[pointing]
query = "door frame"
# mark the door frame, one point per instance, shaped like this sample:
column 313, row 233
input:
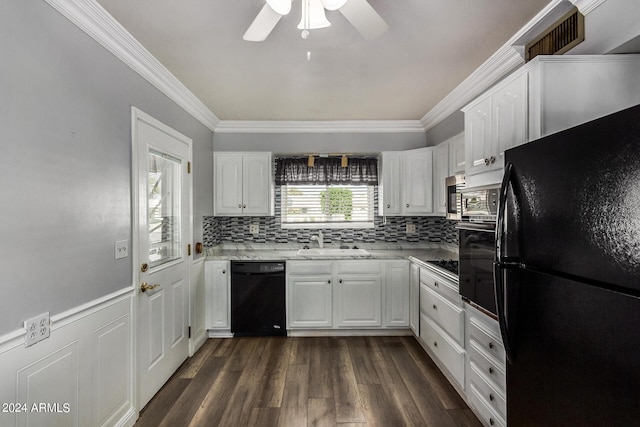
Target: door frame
column 137, row 116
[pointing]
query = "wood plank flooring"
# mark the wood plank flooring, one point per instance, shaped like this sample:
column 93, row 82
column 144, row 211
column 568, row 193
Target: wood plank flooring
column 295, row 382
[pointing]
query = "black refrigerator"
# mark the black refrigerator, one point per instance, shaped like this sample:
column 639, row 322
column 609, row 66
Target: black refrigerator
column 567, row 275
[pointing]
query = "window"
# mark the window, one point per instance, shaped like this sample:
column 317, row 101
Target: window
column 327, row 206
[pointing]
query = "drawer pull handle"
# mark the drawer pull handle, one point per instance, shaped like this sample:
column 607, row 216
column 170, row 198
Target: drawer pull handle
column 491, row 345
column 435, row 284
column 490, row 369
column 491, row 397
column 491, row 421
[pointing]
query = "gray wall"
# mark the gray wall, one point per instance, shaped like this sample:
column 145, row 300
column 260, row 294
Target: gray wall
column 318, row 142
column 65, row 108
column 449, row 127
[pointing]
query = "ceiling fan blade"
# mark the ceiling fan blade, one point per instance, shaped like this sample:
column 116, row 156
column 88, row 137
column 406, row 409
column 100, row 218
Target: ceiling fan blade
column 364, row 18
column 262, row 25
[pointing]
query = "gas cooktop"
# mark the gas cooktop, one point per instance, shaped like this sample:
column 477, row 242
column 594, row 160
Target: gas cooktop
column 447, row 264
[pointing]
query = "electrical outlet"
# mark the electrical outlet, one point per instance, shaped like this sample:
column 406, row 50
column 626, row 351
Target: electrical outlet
column 411, row 228
column 122, row 249
column 38, row 328
column 254, row 228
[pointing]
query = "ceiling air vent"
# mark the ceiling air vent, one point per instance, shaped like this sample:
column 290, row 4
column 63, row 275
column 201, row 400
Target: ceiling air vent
column 566, row 33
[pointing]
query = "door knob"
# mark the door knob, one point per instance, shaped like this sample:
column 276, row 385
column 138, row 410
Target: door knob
column 147, row 287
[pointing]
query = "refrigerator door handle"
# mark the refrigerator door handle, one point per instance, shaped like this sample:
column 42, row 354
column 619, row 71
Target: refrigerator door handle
column 504, row 190
column 500, row 307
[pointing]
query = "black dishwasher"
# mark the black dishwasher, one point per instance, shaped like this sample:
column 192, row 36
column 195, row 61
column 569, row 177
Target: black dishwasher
column 257, row 298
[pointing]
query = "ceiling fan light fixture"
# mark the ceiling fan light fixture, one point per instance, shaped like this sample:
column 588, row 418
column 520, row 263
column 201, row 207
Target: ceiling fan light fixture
column 281, row 7
column 313, row 16
column 333, row 4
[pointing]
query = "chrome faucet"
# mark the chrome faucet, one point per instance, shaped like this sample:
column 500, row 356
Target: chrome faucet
column 319, row 238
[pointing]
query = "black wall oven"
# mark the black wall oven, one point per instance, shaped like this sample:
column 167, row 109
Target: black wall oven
column 476, row 240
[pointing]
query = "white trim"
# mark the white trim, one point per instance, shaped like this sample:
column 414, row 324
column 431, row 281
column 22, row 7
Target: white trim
column 16, row 338
column 500, row 64
column 319, row 126
column 587, row 6
column 91, row 18
column 349, row 332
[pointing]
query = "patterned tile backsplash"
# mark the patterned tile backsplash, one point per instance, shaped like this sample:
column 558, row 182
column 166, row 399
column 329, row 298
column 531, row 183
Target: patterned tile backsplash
column 236, row 230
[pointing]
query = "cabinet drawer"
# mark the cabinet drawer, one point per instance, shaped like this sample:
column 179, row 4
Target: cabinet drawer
column 444, row 286
column 488, row 416
column 309, row 267
column 447, row 315
column 492, row 397
column 359, row 267
column 450, row 354
column 487, row 365
column 486, row 339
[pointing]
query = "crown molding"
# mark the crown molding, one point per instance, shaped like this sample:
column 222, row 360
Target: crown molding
column 317, row 126
column 91, row 18
column 504, row 61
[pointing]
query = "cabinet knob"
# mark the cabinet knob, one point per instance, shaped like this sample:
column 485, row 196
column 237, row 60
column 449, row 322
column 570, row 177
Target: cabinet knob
column 239, row 205
column 491, row 345
column 435, row 343
column 491, row 421
column 340, row 280
column 224, row 271
column 388, row 205
column 435, row 307
column 490, row 369
column 492, row 159
column 407, row 204
column 491, row 397
column 435, row 284
column 244, row 206
column 329, row 281
column 486, row 162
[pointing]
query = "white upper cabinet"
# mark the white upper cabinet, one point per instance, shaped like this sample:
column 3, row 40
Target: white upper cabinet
column 440, row 174
column 407, row 182
column 494, row 123
column 456, row 154
column 243, row 184
column 547, row 95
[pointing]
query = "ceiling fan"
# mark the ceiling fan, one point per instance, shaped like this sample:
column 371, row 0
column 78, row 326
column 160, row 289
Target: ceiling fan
column 358, row 12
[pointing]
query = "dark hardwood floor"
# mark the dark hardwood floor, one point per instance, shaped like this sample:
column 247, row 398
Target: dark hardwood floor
column 324, row 381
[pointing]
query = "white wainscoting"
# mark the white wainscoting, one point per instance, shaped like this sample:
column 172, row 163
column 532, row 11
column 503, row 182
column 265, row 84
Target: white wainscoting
column 198, row 306
column 82, row 375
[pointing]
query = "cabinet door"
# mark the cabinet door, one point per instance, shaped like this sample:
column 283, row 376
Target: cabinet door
column 256, row 184
column 414, row 298
column 456, row 154
column 390, row 200
column 397, row 293
column 358, row 301
column 217, row 285
column 509, row 115
column 477, row 134
column 440, row 173
column 227, row 184
column 418, row 182
column 309, row 301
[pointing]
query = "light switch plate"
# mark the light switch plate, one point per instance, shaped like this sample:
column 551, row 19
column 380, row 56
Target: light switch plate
column 411, row 228
column 122, row 249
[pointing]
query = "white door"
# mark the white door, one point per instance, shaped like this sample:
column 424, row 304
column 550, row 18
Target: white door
column 359, row 301
column 163, row 189
column 310, row 301
column 418, row 181
column 256, row 182
column 227, row 169
column 390, row 184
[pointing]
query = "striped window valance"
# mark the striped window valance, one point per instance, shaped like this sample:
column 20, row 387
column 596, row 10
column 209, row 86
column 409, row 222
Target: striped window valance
column 327, row 171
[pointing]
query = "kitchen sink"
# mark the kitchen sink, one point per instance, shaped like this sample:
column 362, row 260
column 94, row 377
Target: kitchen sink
column 332, row 252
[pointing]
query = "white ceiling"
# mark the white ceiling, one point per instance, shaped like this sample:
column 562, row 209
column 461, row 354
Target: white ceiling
column 430, row 48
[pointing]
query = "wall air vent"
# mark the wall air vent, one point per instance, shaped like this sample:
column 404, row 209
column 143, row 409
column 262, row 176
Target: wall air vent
column 566, row 33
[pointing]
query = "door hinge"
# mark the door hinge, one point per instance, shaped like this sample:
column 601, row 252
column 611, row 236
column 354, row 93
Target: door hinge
column 189, row 331
column 189, row 249
column 188, row 167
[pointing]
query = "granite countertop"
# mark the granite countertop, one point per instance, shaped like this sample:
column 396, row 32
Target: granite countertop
column 278, row 252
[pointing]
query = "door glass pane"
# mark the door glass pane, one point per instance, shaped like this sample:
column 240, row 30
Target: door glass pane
column 163, row 207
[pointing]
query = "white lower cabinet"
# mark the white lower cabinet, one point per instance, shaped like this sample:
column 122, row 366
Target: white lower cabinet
column 218, row 296
column 486, row 373
column 347, row 294
column 442, row 324
column 414, row 298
